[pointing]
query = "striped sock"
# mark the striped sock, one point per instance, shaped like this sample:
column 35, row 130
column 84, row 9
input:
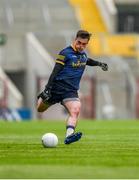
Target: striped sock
column 70, row 130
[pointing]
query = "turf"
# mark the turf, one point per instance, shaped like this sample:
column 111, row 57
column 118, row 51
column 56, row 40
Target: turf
column 108, row 149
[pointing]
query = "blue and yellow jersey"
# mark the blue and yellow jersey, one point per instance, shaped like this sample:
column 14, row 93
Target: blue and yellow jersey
column 74, row 64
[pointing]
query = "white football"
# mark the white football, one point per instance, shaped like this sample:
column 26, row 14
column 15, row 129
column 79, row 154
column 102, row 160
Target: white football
column 49, row 140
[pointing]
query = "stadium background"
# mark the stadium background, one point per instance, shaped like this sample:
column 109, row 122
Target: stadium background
column 32, row 32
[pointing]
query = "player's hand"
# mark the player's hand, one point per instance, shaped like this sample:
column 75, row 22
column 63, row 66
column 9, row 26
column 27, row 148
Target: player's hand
column 45, row 95
column 104, row 66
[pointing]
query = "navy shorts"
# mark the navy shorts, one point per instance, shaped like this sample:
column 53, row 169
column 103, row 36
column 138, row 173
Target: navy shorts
column 63, row 97
column 62, row 92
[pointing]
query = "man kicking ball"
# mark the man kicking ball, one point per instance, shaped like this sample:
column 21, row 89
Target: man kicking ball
column 63, row 84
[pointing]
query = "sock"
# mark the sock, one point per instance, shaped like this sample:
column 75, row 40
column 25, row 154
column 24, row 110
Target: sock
column 70, row 130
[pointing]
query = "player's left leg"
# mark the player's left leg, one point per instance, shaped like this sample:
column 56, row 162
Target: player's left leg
column 73, row 106
column 41, row 106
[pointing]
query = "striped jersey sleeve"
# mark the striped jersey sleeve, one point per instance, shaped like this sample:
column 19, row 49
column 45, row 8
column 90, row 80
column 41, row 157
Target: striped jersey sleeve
column 61, row 58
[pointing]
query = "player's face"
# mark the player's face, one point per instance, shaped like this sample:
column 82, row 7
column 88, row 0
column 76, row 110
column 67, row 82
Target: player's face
column 80, row 44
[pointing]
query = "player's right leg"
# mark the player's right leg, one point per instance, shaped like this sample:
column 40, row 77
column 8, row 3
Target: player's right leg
column 73, row 106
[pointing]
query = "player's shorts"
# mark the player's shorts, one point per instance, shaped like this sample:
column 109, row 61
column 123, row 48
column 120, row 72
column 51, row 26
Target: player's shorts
column 61, row 92
column 63, row 97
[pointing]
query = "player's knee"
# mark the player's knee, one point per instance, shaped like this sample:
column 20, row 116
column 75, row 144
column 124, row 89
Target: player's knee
column 75, row 112
column 73, row 108
column 41, row 107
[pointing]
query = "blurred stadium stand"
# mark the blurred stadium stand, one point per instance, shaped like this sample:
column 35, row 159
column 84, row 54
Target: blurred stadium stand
column 37, row 30
column 119, row 50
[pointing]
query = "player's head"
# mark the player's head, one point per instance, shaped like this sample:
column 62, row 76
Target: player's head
column 81, row 40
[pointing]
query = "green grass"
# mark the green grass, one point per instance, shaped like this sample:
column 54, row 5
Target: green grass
column 108, row 149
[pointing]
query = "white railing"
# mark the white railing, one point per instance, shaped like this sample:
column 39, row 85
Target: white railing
column 116, row 91
column 40, row 64
column 109, row 13
column 14, row 98
column 108, row 110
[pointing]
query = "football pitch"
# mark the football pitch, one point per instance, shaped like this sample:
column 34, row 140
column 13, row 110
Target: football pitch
column 107, row 150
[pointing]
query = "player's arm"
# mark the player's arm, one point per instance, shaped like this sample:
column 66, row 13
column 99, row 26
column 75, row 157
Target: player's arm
column 60, row 62
column 91, row 62
column 46, row 94
column 57, row 68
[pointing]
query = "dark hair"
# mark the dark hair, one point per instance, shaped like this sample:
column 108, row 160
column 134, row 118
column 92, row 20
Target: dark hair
column 83, row 34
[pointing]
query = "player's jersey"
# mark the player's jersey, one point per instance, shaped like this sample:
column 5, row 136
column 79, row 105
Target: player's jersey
column 74, row 64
